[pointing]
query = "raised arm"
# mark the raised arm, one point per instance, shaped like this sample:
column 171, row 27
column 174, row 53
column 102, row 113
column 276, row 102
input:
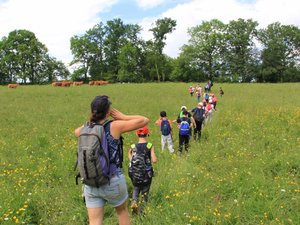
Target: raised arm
column 124, row 123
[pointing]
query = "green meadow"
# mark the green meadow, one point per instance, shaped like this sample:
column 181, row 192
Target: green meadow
column 245, row 170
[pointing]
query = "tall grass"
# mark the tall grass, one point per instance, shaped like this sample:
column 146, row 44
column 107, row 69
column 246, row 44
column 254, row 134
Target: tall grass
column 245, row 170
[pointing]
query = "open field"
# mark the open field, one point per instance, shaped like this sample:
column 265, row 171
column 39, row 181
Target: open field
column 246, row 169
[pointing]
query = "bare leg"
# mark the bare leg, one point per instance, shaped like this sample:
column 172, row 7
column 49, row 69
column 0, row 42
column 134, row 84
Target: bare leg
column 123, row 215
column 95, row 216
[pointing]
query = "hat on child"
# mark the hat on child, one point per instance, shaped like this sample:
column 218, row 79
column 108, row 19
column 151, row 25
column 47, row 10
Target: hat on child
column 142, row 131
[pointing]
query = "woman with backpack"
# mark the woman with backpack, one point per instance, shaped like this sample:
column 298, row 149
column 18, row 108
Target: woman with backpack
column 115, row 191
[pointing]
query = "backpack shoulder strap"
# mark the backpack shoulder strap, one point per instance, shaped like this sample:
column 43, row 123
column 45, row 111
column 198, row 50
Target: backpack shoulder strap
column 149, row 145
column 106, row 125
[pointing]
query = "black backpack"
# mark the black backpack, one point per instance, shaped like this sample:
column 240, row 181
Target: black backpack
column 198, row 114
column 140, row 169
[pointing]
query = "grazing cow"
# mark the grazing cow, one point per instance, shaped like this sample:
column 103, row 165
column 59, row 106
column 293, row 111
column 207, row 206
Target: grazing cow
column 12, row 85
column 78, row 83
column 57, row 84
column 98, row 82
column 66, row 84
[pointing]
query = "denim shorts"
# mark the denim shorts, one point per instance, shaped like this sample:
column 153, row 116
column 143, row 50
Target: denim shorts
column 114, row 193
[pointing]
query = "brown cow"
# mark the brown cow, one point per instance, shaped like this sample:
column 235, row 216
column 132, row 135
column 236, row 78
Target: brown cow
column 98, row 82
column 66, row 84
column 78, row 83
column 56, row 84
column 12, row 85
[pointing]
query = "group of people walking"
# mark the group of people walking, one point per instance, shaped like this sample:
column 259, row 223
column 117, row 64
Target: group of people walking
column 100, row 153
column 189, row 122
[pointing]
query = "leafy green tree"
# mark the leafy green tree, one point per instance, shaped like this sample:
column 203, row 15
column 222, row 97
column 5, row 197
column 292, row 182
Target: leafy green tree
column 54, row 69
column 208, row 45
column 160, row 30
column 130, row 58
column 82, row 50
column 239, row 54
column 129, row 64
column 96, row 36
column 185, row 68
column 114, row 41
column 97, row 53
column 280, row 54
column 4, row 65
column 22, row 56
column 150, row 60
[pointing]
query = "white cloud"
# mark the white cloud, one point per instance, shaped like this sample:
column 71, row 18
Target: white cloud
column 147, row 4
column 53, row 22
column 194, row 12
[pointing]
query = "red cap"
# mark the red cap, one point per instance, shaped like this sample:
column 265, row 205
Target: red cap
column 142, row 131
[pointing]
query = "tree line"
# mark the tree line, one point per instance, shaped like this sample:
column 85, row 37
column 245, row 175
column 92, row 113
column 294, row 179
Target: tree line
column 114, row 51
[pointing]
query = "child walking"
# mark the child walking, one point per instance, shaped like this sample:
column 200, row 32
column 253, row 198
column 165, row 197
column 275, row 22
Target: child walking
column 141, row 156
column 184, row 124
column 166, row 131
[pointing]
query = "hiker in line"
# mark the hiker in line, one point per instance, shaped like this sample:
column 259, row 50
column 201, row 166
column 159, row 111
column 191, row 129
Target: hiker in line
column 166, row 131
column 198, row 94
column 206, row 87
column 210, row 84
column 180, row 115
column 221, row 92
column 189, row 115
column 198, row 115
column 191, row 90
column 214, row 101
column 209, row 108
column 141, row 156
column 206, row 97
column 184, row 124
column 205, row 112
column 113, row 192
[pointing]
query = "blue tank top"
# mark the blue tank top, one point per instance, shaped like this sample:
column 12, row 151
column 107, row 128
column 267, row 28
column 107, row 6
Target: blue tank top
column 115, row 151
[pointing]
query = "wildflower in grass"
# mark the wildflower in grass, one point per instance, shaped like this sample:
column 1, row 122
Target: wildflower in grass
column 227, row 215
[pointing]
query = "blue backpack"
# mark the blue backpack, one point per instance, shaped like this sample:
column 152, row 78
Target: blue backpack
column 184, row 128
column 165, row 127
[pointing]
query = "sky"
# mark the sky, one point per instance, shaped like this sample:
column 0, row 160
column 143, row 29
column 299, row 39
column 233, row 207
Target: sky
column 54, row 22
